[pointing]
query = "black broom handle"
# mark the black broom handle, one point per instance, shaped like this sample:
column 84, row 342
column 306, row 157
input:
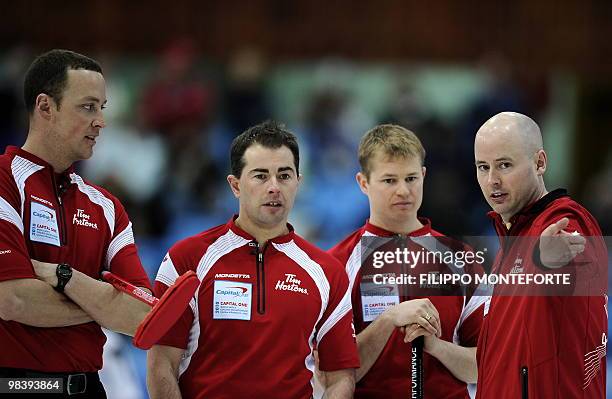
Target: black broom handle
column 416, row 368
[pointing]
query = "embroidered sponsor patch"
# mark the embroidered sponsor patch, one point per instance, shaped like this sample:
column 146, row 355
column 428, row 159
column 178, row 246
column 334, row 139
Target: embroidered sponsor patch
column 291, row 283
column 43, row 224
column 232, row 300
column 81, row 218
column 375, row 298
column 42, row 200
column 232, row 275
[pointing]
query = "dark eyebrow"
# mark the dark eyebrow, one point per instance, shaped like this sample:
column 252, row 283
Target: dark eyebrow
column 259, row 170
column 94, row 99
column 281, row 169
column 392, row 175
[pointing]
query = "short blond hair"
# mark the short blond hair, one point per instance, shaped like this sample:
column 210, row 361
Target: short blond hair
column 393, row 140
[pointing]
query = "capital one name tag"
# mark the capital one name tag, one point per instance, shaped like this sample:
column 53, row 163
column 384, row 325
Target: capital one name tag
column 375, row 298
column 232, row 300
column 43, row 224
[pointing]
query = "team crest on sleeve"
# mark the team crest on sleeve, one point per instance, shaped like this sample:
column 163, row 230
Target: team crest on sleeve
column 592, row 360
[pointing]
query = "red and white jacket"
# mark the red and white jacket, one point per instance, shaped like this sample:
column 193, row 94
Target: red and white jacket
column 258, row 314
column 549, row 347
column 390, row 375
column 58, row 218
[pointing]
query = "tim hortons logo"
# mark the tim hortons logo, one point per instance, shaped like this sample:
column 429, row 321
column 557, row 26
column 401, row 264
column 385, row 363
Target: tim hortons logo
column 518, row 266
column 82, row 219
column 290, row 284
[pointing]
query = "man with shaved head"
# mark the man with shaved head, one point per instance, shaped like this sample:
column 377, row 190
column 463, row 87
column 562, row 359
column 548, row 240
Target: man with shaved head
column 514, row 137
column 536, row 346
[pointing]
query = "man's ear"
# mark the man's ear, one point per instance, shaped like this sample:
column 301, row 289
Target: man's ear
column 362, row 181
column 424, row 170
column 541, row 161
column 43, row 105
column 234, row 184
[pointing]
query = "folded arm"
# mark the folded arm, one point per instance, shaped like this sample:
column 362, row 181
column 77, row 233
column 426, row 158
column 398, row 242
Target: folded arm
column 35, row 303
column 108, row 306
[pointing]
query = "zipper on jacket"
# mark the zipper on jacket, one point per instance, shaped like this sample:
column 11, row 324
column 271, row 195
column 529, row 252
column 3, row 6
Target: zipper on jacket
column 58, row 195
column 525, row 382
column 261, row 279
column 404, row 292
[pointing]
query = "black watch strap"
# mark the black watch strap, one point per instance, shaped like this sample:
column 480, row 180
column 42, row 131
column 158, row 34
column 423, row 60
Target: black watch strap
column 64, row 274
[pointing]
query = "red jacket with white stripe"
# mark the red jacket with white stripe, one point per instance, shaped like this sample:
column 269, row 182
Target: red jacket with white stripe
column 258, row 314
column 390, row 375
column 58, row 218
column 549, row 347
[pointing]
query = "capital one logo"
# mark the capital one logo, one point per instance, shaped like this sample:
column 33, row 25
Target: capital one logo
column 234, row 291
column 48, row 216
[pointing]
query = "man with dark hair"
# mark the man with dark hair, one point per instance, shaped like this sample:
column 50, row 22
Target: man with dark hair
column 59, row 232
column 267, row 299
column 269, row 134
column 48, row 74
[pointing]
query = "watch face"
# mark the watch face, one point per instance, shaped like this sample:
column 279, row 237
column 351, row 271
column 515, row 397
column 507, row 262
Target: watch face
column 64, row 274
column 64, row 270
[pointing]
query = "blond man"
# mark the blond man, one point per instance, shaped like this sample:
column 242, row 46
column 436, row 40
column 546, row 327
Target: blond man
column 392, row 176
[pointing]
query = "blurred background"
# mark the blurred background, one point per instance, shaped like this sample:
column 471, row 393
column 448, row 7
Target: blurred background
column 184, row 79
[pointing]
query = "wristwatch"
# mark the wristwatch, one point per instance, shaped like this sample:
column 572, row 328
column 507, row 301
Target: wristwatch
column 63, row 273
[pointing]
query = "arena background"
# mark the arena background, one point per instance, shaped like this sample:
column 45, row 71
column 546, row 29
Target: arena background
column 183, row 80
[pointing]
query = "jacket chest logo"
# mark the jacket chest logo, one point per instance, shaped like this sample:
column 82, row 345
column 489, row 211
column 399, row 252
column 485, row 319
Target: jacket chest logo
column 518, row 266
column 42, row 200
column 80, row 218
column 43, row 224
column 291, row 283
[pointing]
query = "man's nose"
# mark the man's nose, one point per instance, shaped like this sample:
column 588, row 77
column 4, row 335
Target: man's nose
column 273, row 186
column 493, row 178
column 99, row 123
column 403, row 190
